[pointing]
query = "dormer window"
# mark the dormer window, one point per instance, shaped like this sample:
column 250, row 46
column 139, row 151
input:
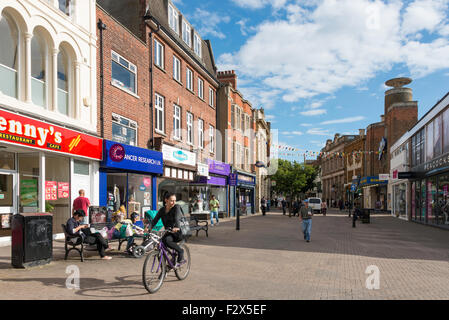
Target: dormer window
column 197, row 45
column 173, row 19
column 186, row 33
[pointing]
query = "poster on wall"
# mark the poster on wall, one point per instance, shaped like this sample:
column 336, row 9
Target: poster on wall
column 146, row 198
column 63, row 190
column 28, row 193
column 51, row 190
column 6, row 224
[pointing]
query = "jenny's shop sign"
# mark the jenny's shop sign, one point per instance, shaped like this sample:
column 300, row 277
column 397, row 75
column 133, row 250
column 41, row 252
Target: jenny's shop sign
column 16, row 129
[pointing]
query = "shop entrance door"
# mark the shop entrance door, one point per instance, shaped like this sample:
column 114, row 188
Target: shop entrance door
column 8, row 201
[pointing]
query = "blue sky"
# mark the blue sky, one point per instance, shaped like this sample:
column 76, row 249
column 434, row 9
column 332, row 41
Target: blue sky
column 318, row 67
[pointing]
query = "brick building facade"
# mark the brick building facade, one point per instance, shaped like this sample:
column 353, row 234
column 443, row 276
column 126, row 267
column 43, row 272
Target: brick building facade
column 238, row 126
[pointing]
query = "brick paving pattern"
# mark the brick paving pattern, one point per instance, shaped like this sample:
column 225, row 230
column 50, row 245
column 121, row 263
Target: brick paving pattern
column 266, row 259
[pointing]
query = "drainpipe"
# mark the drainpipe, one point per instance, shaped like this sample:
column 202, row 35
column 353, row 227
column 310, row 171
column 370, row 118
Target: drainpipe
column 148, row 17
column 101, row 26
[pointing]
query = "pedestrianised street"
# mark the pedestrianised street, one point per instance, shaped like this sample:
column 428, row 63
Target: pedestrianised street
column 266, row 259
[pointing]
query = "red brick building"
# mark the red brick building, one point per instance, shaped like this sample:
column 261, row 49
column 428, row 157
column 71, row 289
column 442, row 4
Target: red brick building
column 400, row 114
column 238, row 128
column 182, row 83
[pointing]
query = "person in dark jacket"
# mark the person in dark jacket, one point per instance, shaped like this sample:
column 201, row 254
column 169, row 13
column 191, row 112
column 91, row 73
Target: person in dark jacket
column 74, row 227
column 284, row 205
column 171, row 218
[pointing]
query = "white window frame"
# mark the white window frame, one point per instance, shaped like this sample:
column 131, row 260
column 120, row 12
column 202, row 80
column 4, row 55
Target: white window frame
column 173, row 18
column 176, row 122
column 186, row 33
column 132, row 124
column 159, row 54
column 116, row 58
column 211, row 97
column 189, row 79
column 197, row 44
column 190, row 135
column 200, row 88
column 200, row 134
column 211, row 139
column 160, row 110
column 176, row 69
column 238, row 154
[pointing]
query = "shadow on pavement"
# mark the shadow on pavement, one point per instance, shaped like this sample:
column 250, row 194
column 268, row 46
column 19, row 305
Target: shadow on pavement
column 384, row 237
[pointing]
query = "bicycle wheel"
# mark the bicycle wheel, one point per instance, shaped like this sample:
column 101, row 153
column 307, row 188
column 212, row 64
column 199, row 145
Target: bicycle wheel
column 153, row 271
column 183, row 271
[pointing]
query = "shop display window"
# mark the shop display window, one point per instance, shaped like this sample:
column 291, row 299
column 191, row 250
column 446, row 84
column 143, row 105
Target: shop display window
column 29, row 182
column 442, row 205
column 431, row 199
column 57, row 190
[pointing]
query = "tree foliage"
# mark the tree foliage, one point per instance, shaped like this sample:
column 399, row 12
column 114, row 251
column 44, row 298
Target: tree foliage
column 293, row 178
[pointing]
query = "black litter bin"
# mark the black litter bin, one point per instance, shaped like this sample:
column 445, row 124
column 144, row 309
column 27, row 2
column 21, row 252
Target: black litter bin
column 366, row 216
column 32, row 239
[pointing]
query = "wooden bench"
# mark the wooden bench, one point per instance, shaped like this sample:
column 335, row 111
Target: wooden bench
column 77, row 241
column 196, row 225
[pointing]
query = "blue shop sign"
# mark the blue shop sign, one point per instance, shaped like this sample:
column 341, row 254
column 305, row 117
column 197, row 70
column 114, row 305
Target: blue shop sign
column 122, row 156
column 243, row 179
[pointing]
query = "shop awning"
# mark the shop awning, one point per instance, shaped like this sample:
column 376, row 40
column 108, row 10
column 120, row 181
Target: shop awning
column 371, row 181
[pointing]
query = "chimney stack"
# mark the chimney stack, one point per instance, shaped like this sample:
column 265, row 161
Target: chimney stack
column 228, row 77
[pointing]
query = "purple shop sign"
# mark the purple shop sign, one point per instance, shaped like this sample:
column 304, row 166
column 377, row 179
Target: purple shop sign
column 213, row 180
column 218, row 167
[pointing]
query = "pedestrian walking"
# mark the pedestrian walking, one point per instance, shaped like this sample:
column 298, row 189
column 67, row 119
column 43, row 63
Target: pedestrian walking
column 305, row 215
column 284, row 205
column 296, row 208
column 81, row 203
column 263, row 204
column 357, row 213
column 323, row 207
column 214, row 204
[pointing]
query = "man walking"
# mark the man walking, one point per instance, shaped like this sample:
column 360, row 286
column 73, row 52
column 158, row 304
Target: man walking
column 263, row 204
column 284, row 204
column 214, row 204
column 305, row 214
column 81, row 203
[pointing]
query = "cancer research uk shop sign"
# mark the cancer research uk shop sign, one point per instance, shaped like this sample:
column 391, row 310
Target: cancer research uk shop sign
column 20, row 130
column 122, row 156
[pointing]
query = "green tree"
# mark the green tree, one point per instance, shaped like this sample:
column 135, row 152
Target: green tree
column 293, row 178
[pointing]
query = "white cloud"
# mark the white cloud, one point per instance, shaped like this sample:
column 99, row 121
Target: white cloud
column 314, row 112
column 344, row 120
column 327, row 45
column 258, row 4
column 306, row 124
column 296, row 133
column 424, row 15
column 319, row 132
column 207, row 23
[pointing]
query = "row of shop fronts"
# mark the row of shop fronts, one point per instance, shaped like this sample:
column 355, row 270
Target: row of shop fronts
column 43, row 166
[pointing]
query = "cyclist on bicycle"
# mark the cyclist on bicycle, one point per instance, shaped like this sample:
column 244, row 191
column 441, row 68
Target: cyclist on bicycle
column 171, row 218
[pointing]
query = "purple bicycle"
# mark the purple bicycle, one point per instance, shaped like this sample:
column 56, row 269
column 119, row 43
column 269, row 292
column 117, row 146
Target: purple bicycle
column 162, row 260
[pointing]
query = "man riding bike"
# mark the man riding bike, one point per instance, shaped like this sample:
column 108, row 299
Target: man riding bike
column 171, row 218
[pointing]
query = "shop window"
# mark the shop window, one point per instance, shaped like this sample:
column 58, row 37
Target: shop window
column 431, row 199
column 124, row 130
column 57, row 190
column 124, row 73
column 429, row 142
column 442, row 206
column 445, row 133
column 63, row 82
column 38, row 68
column 29, row 171
column 116, row 187
column 8, row 56
column 139, row 193
column 437, row 136
column 7, row 161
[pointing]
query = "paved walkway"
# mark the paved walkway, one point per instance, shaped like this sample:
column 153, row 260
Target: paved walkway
column 266, row 259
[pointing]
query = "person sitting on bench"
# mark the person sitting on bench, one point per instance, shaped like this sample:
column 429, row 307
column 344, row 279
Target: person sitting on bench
column 74, row 228
column 135, row 224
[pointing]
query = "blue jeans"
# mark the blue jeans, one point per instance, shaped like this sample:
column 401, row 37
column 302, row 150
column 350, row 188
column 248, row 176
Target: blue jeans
column 307, row 228
column 212, row 214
